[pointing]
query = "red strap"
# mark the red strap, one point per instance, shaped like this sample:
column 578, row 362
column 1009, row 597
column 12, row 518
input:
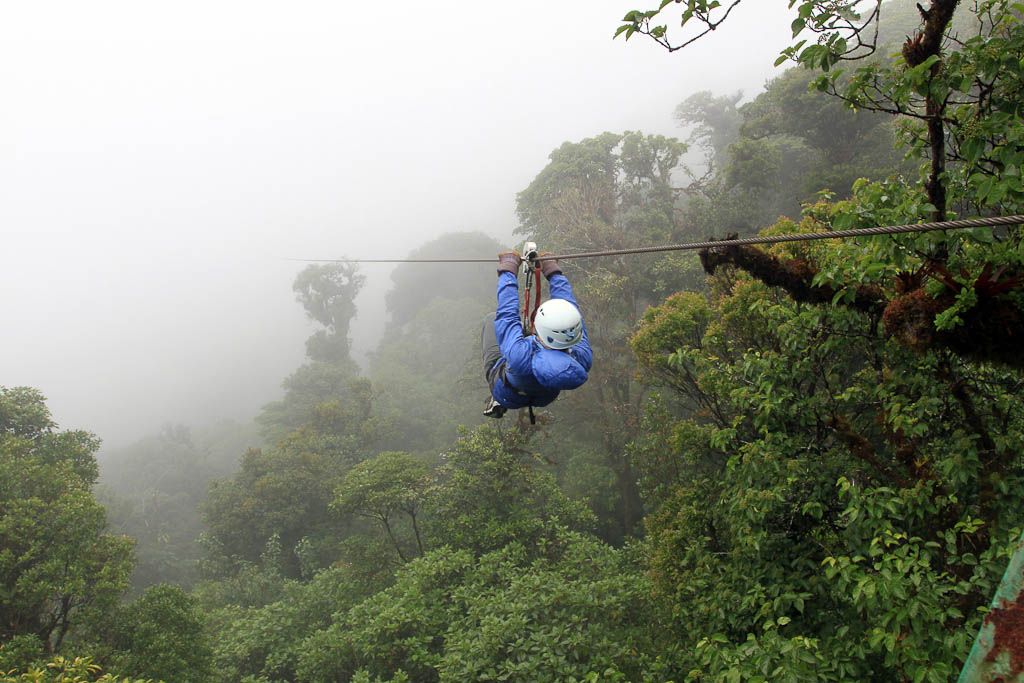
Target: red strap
column 527, row 315
column 536, row 303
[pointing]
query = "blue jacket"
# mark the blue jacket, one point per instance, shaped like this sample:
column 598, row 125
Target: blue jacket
column 534, row 374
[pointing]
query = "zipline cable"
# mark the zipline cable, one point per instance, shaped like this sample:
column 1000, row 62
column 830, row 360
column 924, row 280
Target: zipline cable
column 773, row 239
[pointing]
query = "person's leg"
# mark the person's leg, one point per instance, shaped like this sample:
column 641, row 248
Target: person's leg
column 490, row 354
column 490, row 351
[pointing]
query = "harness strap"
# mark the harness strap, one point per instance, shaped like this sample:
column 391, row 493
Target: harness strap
column 536, row 301
column 498, row 372
column 529, row 316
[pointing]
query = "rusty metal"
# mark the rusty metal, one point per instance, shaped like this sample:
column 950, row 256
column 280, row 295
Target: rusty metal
column 998, row 652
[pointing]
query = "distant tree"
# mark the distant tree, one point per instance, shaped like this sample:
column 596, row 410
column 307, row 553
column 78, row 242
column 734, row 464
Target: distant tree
column 152, row 490
column 327, row 292
column 282, row 492
column 429, row 374
column 426, row 367
column 610, row 192
column 415, row 285
column 714, row 124
column 312, row 385
column 285, row 490
column 56, row 563
column 492, row 492
column 384, row 488
column 779, row 151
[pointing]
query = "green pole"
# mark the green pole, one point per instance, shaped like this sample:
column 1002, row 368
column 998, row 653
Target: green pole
column 998, row 651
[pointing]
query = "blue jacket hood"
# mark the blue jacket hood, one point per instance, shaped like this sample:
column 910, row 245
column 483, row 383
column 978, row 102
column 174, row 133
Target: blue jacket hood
column 557, row 370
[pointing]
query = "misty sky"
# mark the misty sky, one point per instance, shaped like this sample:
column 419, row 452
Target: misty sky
column 159, row 162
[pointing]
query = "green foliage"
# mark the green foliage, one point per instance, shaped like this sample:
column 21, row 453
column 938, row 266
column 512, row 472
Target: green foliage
column 281, row 492
column 285, row 490
column 161, row 635
column 327, row 292
column 579, row 608
column 845, row 500
column 267, row 642
column 587, row 610
column 415, row 286
column 383, row 488
column 56, row 564
column 64, row 670
column 152, row 490
column 315, row 384
column 428, row 371
column 586, row 477
column 611, row 191
column 20, row 652
column 789, row 145
column 491, row 493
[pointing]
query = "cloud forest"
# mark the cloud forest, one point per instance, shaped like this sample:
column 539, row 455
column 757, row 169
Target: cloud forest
column 791, row 462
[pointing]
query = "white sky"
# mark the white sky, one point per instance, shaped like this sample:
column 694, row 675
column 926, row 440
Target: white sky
column 159, row 161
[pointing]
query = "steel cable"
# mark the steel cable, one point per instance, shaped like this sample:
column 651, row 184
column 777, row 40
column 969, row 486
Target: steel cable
column 773, row 239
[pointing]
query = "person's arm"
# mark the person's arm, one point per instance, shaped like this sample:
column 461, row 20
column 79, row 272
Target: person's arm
column 515, row 348
column 561, row 289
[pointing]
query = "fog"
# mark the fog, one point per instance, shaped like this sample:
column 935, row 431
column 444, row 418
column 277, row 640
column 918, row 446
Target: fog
column 160, row 163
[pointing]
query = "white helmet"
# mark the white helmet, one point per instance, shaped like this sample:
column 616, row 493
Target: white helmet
column 558, row 324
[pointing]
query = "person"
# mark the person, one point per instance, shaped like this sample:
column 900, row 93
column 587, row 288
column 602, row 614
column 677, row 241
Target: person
column 530, row 370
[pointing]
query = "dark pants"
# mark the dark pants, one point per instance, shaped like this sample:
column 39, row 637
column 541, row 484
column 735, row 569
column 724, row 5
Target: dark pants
column 489, row 349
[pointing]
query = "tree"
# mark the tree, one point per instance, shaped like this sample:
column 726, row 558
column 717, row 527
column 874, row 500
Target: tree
column 56, row 563
column 152, row 490
column 414, row 285
column 327, row 292
column 427, row 366
column 282, row 492
column 267, row 642
column 959, row 110
column 580, row 611
column 383, row 488
column 160, row 635
column 840, row 493
column 60, row 669
column 715, row 124
column 610, row 192
column 429, row 375
column 492, row 493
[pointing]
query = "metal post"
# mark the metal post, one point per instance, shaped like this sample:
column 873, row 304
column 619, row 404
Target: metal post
column 998, row 652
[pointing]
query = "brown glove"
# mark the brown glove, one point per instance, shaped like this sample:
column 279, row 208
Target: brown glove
column 508, row 261
column 549, row 266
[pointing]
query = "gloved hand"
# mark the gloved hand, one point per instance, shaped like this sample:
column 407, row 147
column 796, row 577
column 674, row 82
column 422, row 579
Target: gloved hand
column 549, row 266
column 508, row 261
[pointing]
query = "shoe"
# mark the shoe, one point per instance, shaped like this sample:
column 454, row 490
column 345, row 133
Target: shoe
column 494, row 409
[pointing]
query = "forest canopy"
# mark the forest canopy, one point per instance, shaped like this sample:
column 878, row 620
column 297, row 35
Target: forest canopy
column 801, row 462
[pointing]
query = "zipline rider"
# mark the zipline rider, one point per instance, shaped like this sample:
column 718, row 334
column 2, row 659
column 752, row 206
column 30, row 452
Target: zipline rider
column 530, row 370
